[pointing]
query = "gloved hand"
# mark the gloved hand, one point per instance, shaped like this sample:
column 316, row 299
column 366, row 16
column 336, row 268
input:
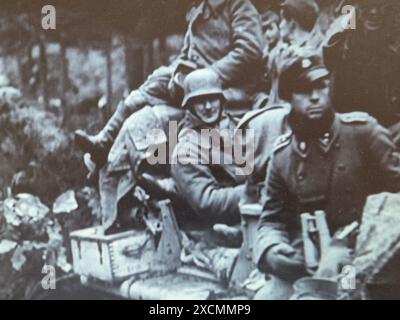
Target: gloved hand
column 285, row 262
column 158, row 188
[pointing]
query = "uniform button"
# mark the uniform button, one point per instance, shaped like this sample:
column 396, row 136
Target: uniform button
column 327, row 138
column 301, row 177
column 341, row 167
column 302, row 146
column 337, row 146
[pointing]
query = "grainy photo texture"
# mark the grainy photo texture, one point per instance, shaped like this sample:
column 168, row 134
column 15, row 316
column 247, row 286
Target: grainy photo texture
column 200, row 150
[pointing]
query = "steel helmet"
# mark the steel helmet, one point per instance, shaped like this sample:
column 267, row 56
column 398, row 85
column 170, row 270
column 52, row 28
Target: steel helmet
column 202, row 82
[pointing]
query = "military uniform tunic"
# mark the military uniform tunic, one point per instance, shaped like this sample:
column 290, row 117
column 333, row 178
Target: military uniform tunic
column 336, row 173
column 225, row 35
column 211, row 188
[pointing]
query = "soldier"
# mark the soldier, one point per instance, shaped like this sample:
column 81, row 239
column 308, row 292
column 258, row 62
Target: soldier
column 328, row 162
column 365, row 63
column 193, row 179
column 270, row 24
column 225, row 35
column 298, row 20
column 266, row 124
column 212, row 190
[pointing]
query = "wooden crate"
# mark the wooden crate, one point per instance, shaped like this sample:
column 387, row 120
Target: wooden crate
column 111, row 258
column 246, row 262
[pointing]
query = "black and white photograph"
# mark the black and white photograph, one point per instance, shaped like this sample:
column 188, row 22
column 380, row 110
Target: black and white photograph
column 200, row 150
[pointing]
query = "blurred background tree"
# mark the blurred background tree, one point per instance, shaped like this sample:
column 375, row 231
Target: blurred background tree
column 73, row 77
column 98, row 29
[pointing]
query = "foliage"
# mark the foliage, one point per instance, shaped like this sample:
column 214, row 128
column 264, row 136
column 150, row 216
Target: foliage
column 31, row 236
column 38, row 152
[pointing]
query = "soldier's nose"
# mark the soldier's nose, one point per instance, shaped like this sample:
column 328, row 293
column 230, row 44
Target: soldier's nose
column 314, row 96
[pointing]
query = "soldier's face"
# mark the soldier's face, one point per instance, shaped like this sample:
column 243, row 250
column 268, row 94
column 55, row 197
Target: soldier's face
column 374, row 14
column 314, row 100
column 286, row 27
column 207, row 109
column 271, row 33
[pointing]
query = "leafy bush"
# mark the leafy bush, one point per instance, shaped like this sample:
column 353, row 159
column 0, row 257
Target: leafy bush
column 33, row 145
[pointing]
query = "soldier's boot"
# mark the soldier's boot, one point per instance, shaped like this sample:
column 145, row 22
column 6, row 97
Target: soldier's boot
column 99, row 145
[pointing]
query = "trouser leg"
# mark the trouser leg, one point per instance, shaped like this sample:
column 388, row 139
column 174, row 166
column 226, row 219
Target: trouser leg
column 99, row 145
column 275, row 289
